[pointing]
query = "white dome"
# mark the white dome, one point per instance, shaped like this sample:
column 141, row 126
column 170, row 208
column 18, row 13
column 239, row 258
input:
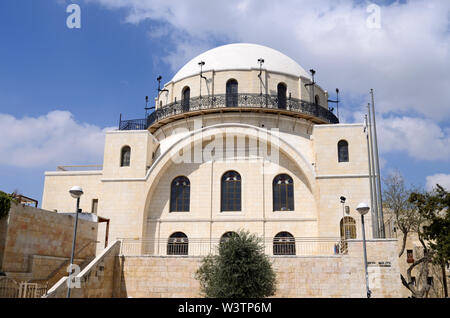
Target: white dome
column 241, row 56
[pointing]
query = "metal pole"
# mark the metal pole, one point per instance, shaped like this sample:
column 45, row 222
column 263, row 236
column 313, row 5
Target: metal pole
column 343, row 220
column 374, row 224
column 372, row 175
column 377, row 167
column 73, row 249
column 365, row 258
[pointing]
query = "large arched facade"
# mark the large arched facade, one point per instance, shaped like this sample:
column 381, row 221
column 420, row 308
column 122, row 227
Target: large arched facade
column 205, row 205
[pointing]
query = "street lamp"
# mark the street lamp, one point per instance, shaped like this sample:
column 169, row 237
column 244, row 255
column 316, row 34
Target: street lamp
column 342, row 198
column 76, row 192
column 363, row 208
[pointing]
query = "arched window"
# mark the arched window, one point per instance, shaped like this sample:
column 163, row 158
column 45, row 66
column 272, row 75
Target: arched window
column 317, row 100
column 284, row 244
column 231, row 191
column 185, row 98
column 283, row 193
column 348, row 228
column 178, row 244
column 282, row 89
column 343, row 151
column 227, row 235
column 125, row 156
column 180, row 191
column 232, row 93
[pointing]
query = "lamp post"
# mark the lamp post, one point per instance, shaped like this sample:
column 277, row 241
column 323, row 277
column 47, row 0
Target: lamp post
column 363, row 208
column 76, row 192
column 342, row 198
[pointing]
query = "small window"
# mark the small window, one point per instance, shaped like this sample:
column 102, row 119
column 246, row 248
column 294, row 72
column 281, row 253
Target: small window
column 180, row 191
column 284, row 244
column 317, row 100
column 343, row 151
column 232, row 93
column 413, row 280
column 348, row 228
column 125, row 157
column 282, row 89
column 430, row 281
column 186, row 97
column 178, row 244
column 94, row 206
column 231, row 191
column 283, row 193
column 409, row 256
column 227, row 235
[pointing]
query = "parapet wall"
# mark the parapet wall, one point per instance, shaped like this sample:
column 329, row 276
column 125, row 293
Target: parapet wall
column 327, row 276
column 34, row 242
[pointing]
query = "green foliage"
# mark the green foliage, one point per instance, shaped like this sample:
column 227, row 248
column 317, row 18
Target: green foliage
column 5, row 204
column 435, row 208
column 239, row 270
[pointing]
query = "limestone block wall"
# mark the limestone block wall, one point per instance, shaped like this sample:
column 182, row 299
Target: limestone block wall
column 142, row 146
column 156, row 277
column 325, row 140
column 56, row 190
column 320, row 276
column 3, row 232
column 35, row 236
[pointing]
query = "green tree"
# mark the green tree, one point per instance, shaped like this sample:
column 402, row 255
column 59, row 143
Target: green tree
column 5, row 204
column 434, row 207
column 240, row 269
column 398, row 207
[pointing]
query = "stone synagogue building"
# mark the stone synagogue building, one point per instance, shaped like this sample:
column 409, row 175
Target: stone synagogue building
column 242, row 137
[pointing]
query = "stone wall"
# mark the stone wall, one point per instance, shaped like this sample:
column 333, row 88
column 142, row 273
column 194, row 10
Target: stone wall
column 319, row 276
column 157, row 276
column 95, row 281
column 38, row 241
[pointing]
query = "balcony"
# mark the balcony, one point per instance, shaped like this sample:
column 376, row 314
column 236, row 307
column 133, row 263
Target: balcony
column 234, row 103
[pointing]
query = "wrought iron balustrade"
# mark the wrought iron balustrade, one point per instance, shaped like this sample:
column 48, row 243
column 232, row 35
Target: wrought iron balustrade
column 298, row 246
column 233, row 102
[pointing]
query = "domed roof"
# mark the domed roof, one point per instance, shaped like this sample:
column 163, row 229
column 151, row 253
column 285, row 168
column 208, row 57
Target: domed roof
column 241, row 56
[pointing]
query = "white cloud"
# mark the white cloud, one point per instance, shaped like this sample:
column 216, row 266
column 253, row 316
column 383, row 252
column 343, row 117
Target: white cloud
column 441, row 179
column 406, row 61
column 55, row 138
column 420, row 138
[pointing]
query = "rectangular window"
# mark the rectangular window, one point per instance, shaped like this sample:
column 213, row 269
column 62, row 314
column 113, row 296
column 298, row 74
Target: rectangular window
column 409, row 256
column 430, row 281
column 94, row 206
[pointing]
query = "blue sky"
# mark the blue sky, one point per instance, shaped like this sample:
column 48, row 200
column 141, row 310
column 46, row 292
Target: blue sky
column 59, row 85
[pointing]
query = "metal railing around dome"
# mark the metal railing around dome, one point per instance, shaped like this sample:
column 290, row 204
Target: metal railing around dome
column 232, row 102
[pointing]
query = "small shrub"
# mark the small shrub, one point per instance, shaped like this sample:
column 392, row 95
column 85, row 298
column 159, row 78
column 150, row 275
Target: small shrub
column 239, row 270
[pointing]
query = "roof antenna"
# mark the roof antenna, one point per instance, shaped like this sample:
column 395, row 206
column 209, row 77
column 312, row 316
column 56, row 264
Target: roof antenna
column 261, row 62
column 201, row 63
column 159, row 78
column 336, row 102
column 312, row 84
column 146, row 107
column 159, row 85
